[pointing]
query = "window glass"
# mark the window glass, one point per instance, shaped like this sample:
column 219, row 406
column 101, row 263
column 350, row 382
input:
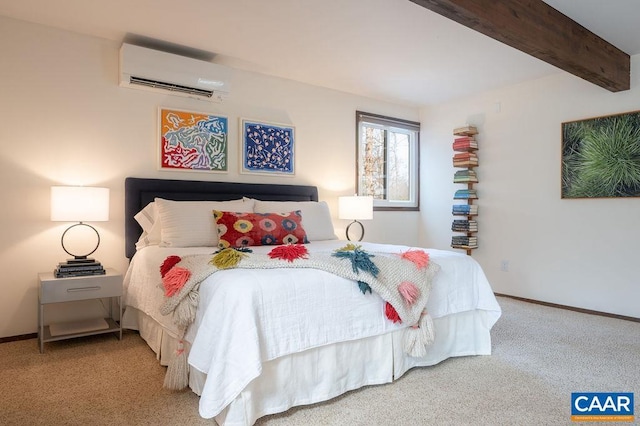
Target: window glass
column 388, row 161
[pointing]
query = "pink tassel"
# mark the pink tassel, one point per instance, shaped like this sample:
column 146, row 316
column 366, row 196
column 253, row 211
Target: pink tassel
column 174, row 280
column 289, row 252
column 168, row 263
column 418, row 257
column 409, row 292
column 391, row 313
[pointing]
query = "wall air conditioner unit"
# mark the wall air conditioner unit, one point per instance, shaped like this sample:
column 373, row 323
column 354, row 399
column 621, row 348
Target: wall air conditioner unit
column 148, row 69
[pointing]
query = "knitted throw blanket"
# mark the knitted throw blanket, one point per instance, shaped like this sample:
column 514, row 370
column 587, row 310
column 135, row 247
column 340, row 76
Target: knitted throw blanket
column 403, row 280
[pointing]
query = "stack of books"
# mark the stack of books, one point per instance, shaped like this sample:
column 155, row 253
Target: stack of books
column 465, row 194
column 465, row 159
column 465, row 209
column 465, row 143
column 464, row 225
column 465, row 176
column 78, row 268
column 465, row 131
column 463, row 241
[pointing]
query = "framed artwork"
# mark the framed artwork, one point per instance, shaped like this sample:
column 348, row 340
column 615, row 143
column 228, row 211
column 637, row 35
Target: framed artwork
column 267, row 148
column 601, row 157
column 193, row 141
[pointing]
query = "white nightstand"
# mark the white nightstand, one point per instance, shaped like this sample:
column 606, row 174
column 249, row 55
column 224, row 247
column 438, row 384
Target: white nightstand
column 57, row 290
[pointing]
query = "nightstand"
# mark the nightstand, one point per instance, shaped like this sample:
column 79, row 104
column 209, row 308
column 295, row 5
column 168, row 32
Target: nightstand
column 70, row 289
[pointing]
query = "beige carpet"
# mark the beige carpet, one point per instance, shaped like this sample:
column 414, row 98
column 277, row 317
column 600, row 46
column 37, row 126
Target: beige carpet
column 541, row 355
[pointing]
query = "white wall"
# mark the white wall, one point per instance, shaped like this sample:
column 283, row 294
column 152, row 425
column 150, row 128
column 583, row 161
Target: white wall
column 576, row 252
column 64, row 120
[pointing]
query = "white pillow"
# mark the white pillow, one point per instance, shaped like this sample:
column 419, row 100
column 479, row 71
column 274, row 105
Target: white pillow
column 191, row 223
column 316, row 218
column 150, row 223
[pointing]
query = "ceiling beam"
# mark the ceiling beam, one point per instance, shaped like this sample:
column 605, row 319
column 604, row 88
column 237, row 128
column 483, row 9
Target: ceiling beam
column 535, row 28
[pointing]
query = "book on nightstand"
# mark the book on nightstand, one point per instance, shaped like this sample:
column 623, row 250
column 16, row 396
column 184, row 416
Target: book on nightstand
column 75, row 268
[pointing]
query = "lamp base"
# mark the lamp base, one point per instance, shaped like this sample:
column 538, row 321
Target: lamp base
column 76, row 255
column 361, row 228
column 80, row 260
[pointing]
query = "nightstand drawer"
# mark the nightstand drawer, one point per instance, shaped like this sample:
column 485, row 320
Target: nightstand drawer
column 54, row 290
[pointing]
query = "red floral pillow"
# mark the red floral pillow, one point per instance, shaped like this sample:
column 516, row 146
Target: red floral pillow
column 259, row 229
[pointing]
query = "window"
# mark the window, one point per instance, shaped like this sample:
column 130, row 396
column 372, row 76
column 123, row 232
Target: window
column 387, row 161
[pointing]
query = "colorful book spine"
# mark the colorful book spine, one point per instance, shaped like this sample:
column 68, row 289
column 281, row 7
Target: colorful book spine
column 464, row 209
column 465, row 131
column 464, row 226
column 464, row 242
column 464, row 194
column 465, row 156
column 465, row 163
column 465, row 179
column 465, row 146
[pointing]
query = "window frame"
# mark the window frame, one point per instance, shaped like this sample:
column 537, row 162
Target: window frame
column 388, row 123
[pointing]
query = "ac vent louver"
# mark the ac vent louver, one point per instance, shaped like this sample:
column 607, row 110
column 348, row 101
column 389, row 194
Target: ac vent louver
column 170, row 86
column 153, row 70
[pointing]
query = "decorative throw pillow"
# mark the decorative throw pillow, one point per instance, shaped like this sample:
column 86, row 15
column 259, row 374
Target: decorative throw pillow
column 316, row 214
column 259, row 229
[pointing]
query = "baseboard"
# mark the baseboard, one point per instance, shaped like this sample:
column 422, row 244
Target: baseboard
column 570, row 308
column 20, row 337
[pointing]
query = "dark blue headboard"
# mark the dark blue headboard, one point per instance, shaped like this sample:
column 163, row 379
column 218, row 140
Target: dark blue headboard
column 140, row 191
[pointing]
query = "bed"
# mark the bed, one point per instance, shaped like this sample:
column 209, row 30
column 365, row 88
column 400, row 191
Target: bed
column 261, row 341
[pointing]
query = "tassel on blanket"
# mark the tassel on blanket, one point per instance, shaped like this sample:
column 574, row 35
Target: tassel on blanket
column 289, row 252
column 168, row 263
column 409, row 292
column 174, row 280
column 364, row 287
column 227, row 258
column 418, row 257
column 416, row 338
column 177, row 376
column 391, row 313
column 360, row 259
column 185, row 312
column 349, row 247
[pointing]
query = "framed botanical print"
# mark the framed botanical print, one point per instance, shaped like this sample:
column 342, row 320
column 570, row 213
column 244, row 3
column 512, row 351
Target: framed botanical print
column 601, row 157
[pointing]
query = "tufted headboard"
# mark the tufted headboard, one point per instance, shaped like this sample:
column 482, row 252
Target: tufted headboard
column 141, row 191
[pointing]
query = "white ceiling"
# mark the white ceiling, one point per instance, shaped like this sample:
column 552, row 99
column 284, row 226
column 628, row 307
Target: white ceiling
column 386, row 49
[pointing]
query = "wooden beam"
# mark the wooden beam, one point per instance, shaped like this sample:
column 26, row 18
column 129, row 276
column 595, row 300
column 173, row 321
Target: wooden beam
column 535, row 28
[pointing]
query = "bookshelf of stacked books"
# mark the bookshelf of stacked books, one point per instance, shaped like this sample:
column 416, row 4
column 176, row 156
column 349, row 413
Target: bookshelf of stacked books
column 465, row 159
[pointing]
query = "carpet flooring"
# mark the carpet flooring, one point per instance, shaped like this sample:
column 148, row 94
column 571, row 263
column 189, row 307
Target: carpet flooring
column 540, row 355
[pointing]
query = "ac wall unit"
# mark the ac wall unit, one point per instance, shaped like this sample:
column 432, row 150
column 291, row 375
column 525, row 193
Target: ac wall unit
column 148, row 69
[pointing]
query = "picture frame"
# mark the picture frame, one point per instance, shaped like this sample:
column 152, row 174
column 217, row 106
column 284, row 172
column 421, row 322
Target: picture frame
column 192, row 141
column 267, row 148
column 601, row 157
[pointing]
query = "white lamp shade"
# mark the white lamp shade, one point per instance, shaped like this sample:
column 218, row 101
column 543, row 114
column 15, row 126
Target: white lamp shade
column 355, row 208
column 79, row 204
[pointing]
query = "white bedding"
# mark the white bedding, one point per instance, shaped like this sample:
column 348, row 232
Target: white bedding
column 249, row 319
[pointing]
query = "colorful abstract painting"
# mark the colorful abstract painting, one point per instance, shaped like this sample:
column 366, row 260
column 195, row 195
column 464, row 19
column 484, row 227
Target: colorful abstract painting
column 193, row 141
column 267, row 148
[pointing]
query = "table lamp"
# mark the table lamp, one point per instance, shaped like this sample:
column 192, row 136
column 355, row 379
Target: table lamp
column 79, row 204
column 355, row 208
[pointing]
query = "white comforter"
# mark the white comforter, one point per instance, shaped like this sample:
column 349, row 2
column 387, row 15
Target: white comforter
column 247, row 317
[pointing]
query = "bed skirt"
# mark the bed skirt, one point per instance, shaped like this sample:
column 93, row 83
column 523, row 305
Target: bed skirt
column 321, row 373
